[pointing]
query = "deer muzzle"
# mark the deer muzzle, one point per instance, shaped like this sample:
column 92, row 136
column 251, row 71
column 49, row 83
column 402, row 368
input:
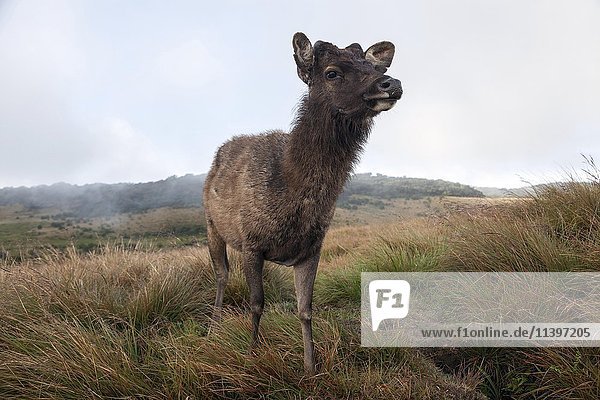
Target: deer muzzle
column 390, row 86
column 387, row 91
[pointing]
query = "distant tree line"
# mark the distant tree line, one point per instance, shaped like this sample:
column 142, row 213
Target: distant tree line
column 96, row 200
column 99, row 199
column 385, row 187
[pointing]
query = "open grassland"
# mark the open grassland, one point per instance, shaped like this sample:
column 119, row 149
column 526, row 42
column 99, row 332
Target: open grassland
column 132, row 323
column 28, row 233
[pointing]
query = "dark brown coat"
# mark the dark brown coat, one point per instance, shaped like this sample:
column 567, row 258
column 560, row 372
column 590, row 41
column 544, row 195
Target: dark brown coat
column 272, row 196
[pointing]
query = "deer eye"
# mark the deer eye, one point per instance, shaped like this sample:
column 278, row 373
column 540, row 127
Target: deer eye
column 331, row 74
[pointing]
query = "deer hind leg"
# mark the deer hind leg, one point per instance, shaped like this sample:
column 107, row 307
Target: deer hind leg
column 218, row 255
column 252, row 265
column 304, row 279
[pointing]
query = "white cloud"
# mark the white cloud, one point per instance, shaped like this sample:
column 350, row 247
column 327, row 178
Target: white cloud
column 494, row 91
column 39, row 60
column 95, row 91
column 39, row 44
column 187, row 65
column 118, row 152
column 43, row 138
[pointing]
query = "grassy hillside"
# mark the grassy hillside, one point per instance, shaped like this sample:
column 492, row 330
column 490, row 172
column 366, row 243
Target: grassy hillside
column 132, row 323
column 382, row 187
column 104, row 200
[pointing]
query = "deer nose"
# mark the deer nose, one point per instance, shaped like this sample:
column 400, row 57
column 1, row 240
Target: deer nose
column 391, row 86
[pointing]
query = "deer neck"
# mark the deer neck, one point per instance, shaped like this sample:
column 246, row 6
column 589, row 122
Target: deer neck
column 322, row 151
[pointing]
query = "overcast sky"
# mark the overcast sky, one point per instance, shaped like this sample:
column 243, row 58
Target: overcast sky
column 127, row 91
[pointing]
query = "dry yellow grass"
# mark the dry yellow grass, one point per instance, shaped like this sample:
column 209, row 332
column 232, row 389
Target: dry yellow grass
column 126, row 323
column 132, row 323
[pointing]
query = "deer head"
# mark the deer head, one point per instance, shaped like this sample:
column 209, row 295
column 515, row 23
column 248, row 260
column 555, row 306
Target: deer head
column 350, row 81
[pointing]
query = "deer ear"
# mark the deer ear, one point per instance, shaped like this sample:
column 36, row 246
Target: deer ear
column 303, row 54
column 380, row 55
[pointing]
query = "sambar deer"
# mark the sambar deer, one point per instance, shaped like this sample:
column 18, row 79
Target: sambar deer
column 272, row 196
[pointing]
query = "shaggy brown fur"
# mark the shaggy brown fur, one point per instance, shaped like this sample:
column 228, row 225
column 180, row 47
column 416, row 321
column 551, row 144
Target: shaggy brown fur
column 272, row 196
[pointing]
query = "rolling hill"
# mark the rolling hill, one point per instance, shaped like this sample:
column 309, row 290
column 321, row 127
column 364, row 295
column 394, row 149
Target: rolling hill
column 98, row 200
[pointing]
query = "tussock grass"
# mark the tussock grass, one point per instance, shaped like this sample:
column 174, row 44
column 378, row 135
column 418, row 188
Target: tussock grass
column 556, row 228
column 567, row 373
column 126, row 323
column 129, row 323
column 414, row 246
column 501, row 242
column 571, row 209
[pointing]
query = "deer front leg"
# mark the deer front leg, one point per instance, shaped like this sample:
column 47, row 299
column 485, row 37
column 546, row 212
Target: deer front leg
column 304, row 279
column 252, row 264
column 218, row 255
